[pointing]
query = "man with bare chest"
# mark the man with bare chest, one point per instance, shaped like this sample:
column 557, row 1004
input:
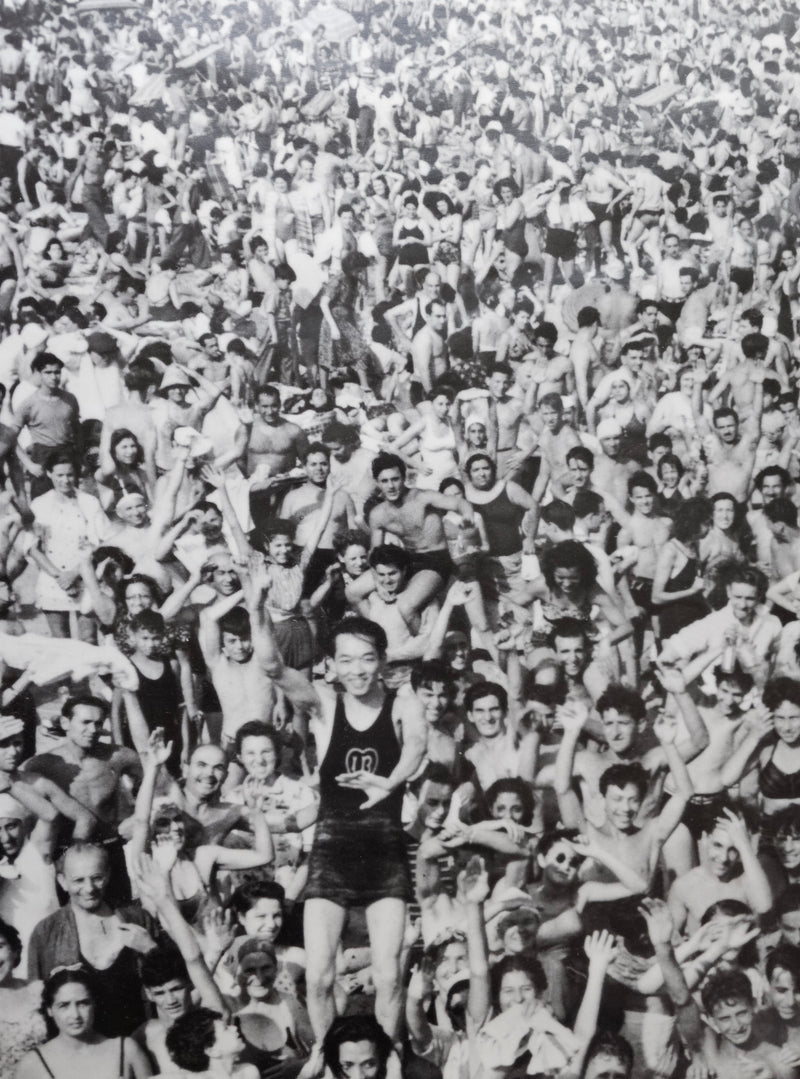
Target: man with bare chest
column 429, row 346
column 273, row 443
column 303, row 507
column 415, row 518
column 90, row 773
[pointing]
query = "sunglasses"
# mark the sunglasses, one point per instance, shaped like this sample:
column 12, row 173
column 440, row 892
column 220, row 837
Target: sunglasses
column 573, row 860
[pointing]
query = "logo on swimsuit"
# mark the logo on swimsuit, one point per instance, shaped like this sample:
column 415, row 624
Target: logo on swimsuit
column 361, row 760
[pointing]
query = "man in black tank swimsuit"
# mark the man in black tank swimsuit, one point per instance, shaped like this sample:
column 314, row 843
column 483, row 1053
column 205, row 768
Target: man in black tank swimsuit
column 369, row 742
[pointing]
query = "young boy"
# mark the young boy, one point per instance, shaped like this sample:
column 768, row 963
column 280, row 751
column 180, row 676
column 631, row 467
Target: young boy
column 169, row 987
column 157, row 701
column 731, row 1046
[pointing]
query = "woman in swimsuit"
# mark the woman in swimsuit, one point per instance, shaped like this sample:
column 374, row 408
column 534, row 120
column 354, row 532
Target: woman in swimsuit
column 121, row 469
column 778, row 761
column 510, row 225
column 411, row 238
column 568, row 588
column 74, row 1050
column 678, row 585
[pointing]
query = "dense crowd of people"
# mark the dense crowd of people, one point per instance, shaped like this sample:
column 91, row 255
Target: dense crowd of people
column 399, row 540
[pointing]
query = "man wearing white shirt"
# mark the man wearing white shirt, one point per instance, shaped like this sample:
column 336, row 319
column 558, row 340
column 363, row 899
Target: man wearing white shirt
column 744, row 625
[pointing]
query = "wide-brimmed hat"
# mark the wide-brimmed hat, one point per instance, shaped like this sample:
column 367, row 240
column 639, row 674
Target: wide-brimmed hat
column 175, row 376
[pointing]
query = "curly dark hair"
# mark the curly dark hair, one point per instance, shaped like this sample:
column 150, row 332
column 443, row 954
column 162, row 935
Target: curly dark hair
column 190, row 1037
column 693, row 521
column 569, row 554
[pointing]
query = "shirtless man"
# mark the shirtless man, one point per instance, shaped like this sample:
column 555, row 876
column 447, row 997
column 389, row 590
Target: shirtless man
column 317, row 203
column 200, row 798
column 623, row 788
column 407, row 625
column 510, row 412
column 585, row 680
column 727, row 726
column 623, row 723
column 741, row 382
column 556, row 441
column 618, row 307
column 415, row 518
column 90, row 772
column 584, row 355
column 86, row 769
column 729, row 869
column 30, row 789
column 611, row 472
column 429, row 346
column 303, row 507
column 643, row 530
column 551, row 371
column 730, row 449
column 275, row 445
column 502, row 750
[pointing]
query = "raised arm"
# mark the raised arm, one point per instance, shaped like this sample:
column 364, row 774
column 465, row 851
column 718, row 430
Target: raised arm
column 573, row 718
column 674, row 683
column 600, row 949
column 154, row 887
column 670, row 816
column 165, row 502
column 156, row 754
column 208, row 634
column 212, row 857
column 744, row 757
column 216, row 479
column 474, row 885
column 756, row 883
column 660, row 929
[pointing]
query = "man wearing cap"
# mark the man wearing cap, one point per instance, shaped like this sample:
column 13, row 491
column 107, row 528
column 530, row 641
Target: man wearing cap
column 97, row 384
column 611, row 470
column 172, row 408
